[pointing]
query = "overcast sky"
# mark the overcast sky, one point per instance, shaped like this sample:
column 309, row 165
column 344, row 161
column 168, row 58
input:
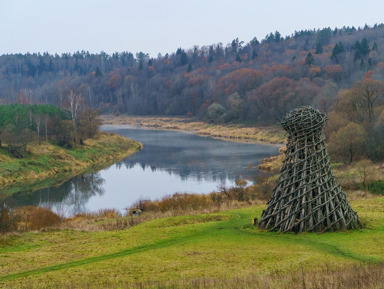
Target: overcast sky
column 154, row 26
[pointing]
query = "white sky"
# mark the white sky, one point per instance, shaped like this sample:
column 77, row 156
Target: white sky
column 154, row 26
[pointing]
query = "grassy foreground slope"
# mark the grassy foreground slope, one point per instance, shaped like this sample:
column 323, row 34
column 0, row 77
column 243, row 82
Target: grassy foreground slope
column 197, row 250
column 47, row 163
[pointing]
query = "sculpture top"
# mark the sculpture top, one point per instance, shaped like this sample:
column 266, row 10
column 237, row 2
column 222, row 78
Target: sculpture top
column 304, row 120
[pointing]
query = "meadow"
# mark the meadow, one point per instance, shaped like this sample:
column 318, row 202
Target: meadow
column 200, row 241
column 216, row 250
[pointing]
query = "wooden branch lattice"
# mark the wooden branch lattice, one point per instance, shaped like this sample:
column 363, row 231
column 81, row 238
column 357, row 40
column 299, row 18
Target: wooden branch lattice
column 307, row 196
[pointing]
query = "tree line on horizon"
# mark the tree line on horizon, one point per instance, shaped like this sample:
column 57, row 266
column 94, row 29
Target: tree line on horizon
column 339, row 71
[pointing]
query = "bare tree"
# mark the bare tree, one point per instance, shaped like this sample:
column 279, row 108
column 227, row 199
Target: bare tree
column 46, row 119
column 364, row 95
column 38, row 119
column 348, row 142
column 366, row 172
column 28, row 93
column 75, row 103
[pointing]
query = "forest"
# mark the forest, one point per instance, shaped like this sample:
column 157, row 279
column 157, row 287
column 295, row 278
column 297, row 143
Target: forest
column 22, row 123
column 339, row 71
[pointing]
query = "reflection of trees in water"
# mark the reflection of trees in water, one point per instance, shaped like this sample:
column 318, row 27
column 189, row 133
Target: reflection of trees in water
column 83, row 188
column 69, row 198
column 216, row 163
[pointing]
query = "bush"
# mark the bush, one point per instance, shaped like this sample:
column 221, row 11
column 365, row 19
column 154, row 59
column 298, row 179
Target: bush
column 176, row 202
column 376, row 187
column 184, row 202
column 143, row 206
column 36, row 218
column 216, row 112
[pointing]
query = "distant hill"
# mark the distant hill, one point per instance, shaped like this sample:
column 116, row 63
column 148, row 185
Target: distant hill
column 257, row 80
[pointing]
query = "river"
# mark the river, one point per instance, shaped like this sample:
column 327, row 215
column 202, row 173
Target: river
column 169, row 162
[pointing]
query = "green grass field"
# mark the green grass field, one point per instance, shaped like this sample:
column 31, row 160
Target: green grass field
column 180, row 250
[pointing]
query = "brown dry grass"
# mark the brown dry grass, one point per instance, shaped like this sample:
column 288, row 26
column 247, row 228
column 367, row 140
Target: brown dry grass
column 273, row 164
column 31, row 218
column 232, row 132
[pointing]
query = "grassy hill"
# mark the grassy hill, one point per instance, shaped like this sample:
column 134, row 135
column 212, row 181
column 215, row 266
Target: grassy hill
column 218, row 250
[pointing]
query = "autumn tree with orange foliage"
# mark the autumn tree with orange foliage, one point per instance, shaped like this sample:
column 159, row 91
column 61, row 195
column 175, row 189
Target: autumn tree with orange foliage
column 333, row 71
column 272, row 100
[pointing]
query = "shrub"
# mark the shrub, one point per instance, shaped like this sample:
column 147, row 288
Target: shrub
column 175, row 202
column 143, row 206
column 216, row 112
column 36, row 218
column 184, row 202
column 377, row 187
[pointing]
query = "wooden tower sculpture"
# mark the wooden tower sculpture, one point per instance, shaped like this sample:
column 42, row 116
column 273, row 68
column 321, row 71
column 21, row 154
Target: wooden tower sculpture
column 307, row 196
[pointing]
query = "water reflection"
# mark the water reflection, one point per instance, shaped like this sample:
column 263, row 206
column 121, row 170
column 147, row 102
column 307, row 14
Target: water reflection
column 191, row 156
column 169, row 162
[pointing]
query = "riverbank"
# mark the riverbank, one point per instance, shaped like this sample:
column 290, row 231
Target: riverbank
column 232, row 132
column 48, row 164
column 216, row 250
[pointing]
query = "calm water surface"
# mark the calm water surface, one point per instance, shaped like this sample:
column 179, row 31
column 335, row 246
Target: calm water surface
column 169, row 162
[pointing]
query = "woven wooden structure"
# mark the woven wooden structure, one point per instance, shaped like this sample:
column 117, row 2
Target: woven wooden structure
column 307, row 196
